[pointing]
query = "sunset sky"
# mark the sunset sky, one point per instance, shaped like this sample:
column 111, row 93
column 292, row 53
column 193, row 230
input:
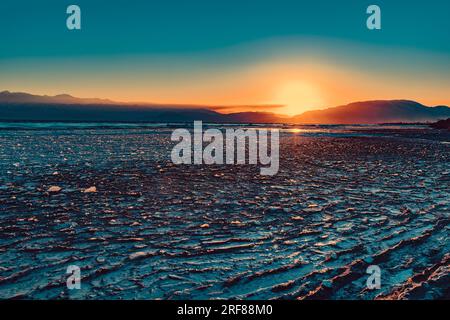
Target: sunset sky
column 248, row 54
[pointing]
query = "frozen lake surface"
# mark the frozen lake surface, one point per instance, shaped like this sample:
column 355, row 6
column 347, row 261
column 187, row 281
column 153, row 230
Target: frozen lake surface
column 344, row 198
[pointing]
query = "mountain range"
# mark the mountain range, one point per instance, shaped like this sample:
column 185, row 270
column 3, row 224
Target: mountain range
column 19, row 106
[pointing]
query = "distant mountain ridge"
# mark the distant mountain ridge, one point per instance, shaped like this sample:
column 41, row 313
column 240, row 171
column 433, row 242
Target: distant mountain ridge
column 377, row 111
column 23, row 97
column 442, row 124
column 28, row 107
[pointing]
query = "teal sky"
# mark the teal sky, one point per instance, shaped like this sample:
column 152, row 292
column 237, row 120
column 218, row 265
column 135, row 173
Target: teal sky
column 37, row 28
column 155, row 44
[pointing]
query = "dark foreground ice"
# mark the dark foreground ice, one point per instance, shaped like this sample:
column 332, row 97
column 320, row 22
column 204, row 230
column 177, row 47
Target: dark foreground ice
column 342, row 200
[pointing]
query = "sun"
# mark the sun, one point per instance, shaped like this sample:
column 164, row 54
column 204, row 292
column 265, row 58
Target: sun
column 298, row 96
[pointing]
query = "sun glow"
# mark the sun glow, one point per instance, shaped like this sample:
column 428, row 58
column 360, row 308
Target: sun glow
column 298, row 96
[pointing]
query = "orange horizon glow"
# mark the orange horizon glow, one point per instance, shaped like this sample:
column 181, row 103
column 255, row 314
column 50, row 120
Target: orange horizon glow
column 281, row 89
column 284, row 84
